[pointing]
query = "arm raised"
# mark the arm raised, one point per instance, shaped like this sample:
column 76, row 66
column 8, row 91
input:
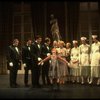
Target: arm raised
column 45, row 59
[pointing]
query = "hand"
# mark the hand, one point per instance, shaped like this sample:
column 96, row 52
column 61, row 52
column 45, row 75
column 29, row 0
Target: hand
column 50, row 61
column 48, row 54
column 24, row 64
column 69, row 64
column 11, row 64
column 75, row 62
column 41, row 63
column 39, row 59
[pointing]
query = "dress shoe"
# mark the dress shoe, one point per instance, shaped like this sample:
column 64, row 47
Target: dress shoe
column 39, row 86
column 26, row 85
column 13, row 86
column 90, row 82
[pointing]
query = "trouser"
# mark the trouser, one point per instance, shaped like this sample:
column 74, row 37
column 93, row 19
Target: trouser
column 45, row 74
column 35, row 75
column 26, row 75
column 13, row 76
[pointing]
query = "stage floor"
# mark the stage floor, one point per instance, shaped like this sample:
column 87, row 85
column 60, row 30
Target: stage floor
column 71, row 91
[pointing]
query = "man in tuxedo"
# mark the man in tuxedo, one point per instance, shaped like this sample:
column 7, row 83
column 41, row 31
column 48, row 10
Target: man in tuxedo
column 13, row 62
column 27, row 60
column 37, row 56
column 46, row 51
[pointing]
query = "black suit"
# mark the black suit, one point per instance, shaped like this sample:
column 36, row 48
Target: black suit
column 27, row 59
column 14, row 57
column 45, row 68
column 36, row 53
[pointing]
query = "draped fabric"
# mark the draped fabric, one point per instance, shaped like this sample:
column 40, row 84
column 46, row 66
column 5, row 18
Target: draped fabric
column 67, row 16
column 41, row 12
column 5, row 31
column 72, row 20
column 99, row 19
column 37, row 18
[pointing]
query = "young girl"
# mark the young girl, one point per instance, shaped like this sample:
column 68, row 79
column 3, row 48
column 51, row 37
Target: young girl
column 54, row 69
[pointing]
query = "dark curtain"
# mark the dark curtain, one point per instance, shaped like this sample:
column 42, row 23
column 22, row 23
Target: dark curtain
column 5, row 32
column 37, row 9
column 99, row 19
column 41, row 12
column 72, row 20
column 56, row 8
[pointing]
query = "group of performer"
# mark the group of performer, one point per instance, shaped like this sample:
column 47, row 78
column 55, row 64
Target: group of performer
column 56, row 62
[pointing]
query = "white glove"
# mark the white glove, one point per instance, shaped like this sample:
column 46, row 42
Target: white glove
column 42, row 64
column 68, row 64
column 24, row 64
column 11, row 64
column 39, row 59
column 48, row 54
column 50, row 61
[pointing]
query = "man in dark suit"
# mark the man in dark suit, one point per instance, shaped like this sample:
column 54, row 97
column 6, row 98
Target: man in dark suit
column 46, row 51
column 37, row 55
column 27, row 60
column 13, row 62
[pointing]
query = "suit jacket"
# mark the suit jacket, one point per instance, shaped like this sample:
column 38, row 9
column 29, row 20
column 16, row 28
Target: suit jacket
column 36, row 51
column 14, row 57
column 27, row 55
column 45, row 50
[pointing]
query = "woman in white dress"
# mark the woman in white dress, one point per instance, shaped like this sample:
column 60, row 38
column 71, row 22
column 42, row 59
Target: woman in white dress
column 95, row 60
column 84, row 60
column 74, row 62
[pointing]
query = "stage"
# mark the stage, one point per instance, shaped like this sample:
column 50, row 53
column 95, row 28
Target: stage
column 69, row 90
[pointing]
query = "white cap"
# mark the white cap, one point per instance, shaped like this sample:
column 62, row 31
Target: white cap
column 94, row 36
column 75, row 41
column 83, row 38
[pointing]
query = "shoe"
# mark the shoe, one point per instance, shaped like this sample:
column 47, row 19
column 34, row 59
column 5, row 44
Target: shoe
column 39, row 86
column 98, row 82
column 26, row 85
column 73, row 81
column 13, row 86
column 33, row 86
column 17, row 85
column 82, row 82
column 90, row 82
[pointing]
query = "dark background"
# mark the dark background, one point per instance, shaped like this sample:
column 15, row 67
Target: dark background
column 25, row 19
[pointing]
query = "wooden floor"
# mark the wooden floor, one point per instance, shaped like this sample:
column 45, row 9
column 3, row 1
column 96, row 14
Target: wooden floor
column 69, row 90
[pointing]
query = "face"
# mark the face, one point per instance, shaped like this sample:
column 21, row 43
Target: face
column 83, row 41
column 49, row 42
column 53, row 51
column 16, row 42
column 52, row 16
column 94, row 39
column 61, row 44
column 68, row 45
column 75, row 44
column 29, row 42
column 55, row 43
column 39, row 40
